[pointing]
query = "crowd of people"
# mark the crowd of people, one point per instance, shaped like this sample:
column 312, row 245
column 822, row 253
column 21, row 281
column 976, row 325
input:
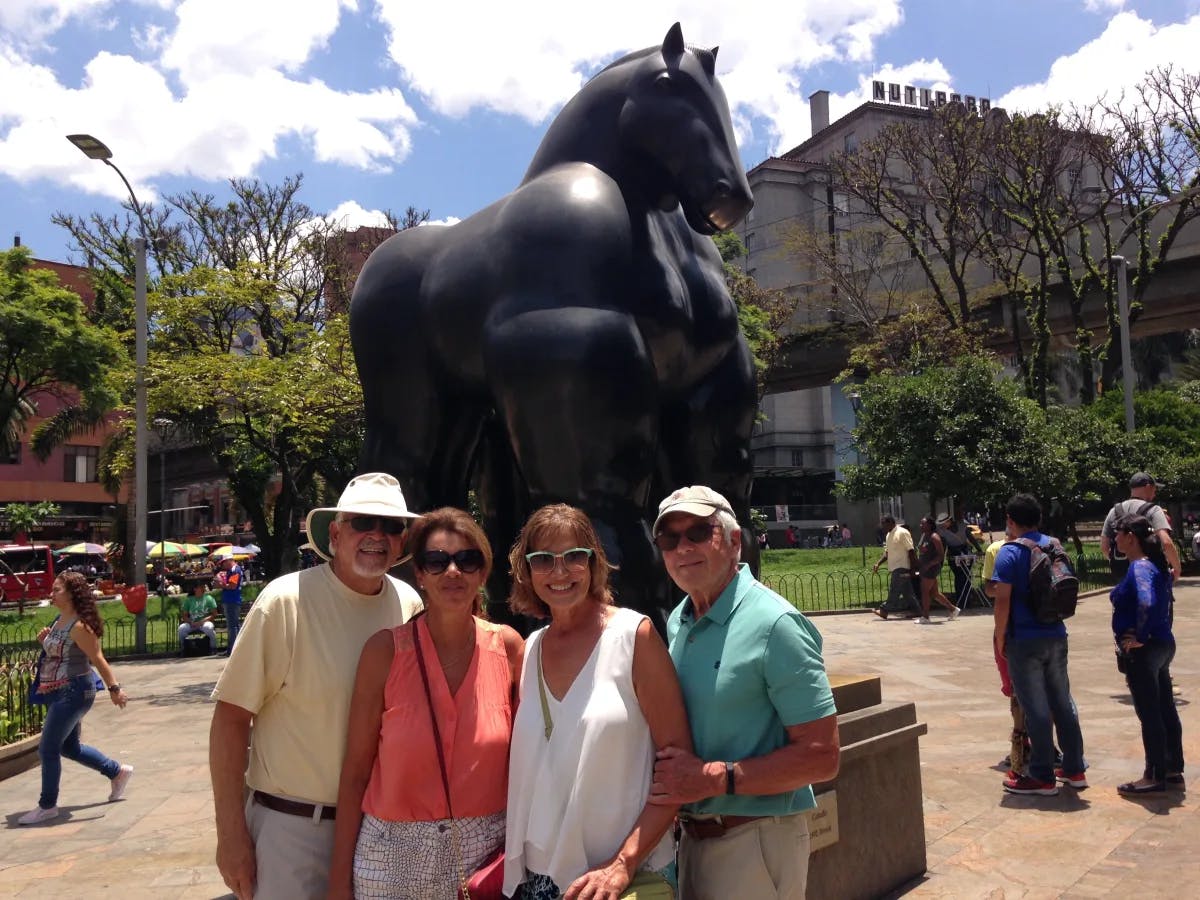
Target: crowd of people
column 1030, row 648
column 593, row 755
column 555, row 766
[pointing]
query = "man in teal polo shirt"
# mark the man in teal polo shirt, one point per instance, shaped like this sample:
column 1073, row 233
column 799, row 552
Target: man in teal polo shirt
column 760, row 707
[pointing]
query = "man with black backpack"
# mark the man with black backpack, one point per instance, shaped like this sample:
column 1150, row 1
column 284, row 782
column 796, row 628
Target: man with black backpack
column 1142, row 490
column 1034, row 590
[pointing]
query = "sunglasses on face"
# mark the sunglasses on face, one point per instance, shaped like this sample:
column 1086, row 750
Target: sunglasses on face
column 695, row 534
column 363, row 524
column 435, row 562
column 543, row 561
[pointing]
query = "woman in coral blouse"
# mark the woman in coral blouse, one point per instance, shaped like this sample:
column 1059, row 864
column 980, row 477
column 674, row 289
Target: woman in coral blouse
column 395, row 836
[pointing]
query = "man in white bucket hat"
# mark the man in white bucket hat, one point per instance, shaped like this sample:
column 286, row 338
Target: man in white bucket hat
column 291, row 675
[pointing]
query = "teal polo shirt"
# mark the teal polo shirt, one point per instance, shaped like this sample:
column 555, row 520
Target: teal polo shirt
column 748, row 668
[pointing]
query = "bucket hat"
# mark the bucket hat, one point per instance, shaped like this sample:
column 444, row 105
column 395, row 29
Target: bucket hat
column 372, row 494
column 696, row 499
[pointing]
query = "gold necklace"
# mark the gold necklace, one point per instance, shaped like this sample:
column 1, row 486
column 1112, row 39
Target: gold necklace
column 464, row 653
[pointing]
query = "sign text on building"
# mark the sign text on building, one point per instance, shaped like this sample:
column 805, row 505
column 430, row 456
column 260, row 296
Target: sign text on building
column 908, row 95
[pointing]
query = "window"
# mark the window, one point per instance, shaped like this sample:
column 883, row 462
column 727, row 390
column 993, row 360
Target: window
column 850, row 143
column 841, row 204
column 79, row 463
column 798, row 458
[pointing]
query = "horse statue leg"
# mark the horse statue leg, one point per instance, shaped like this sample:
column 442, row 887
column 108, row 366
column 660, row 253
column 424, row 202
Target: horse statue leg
column 706, row 439
column 577, row 394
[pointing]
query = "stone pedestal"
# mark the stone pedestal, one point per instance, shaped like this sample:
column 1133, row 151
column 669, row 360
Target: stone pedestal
column 869, row 827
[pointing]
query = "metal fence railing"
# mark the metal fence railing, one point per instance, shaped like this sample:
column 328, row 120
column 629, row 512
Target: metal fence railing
column 863, row 589
column 19, row 652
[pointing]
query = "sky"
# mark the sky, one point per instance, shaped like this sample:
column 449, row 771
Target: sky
column 383, row 104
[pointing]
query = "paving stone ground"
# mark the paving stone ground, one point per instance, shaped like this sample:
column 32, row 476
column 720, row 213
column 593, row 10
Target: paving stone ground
column 982, row 843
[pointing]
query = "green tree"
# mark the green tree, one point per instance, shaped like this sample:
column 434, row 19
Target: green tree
column 25, row 519
column 48, row 348
column 958, row 430
column 762, row 313
column 249, row 354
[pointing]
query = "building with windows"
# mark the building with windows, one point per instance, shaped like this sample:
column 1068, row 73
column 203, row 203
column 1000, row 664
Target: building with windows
column 803, row 438
column 183, row 481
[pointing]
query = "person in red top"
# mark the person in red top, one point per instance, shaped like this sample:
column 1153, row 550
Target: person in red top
column 399, row 798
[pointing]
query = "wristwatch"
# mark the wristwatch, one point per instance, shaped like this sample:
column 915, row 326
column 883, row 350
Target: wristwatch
column 113, row 688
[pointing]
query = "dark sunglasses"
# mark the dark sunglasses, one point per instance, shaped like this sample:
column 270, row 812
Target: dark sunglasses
column 543, row 561
column 696, row 534
column 363, row 524
column 435, row 562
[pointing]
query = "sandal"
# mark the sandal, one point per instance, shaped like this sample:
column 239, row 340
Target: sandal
column 1132, row 787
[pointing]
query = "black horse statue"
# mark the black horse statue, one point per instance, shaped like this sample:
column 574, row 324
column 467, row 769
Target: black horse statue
column 574, row 341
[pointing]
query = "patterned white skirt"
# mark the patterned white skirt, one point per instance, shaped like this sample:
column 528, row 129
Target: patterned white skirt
column 416, row 860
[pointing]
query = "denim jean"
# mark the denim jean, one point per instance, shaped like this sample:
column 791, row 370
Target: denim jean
column 60, row 737
column 1148, row 675
column 1038, row 668
column 233, row 622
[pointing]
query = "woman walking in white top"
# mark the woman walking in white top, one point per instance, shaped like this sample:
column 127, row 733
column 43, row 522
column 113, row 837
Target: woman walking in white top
column 599, row 696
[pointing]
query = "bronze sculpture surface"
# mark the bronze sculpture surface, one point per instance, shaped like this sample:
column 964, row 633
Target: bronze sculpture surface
column 574, row 341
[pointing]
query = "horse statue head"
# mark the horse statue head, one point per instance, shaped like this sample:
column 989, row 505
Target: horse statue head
column 657, row 121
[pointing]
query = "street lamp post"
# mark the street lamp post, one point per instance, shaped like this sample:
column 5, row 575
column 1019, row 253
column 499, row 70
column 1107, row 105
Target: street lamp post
column 94, row 149
column 1127, row 380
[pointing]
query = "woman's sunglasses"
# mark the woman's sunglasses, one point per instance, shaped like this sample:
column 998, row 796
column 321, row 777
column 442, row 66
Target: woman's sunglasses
column 543, row 561
column 435, row 562
column 363, row 524
column 696, row 534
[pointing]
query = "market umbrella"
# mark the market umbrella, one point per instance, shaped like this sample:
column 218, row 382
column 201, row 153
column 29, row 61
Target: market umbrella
column 173, row 548
column 232, row 550
column 83, row 549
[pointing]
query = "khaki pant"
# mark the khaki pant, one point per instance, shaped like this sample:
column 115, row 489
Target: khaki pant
column 292, row 854
column 765, row 860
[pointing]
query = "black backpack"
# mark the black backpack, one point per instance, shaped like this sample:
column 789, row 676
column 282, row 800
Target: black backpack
column 1053, row 587
column 1117, row 514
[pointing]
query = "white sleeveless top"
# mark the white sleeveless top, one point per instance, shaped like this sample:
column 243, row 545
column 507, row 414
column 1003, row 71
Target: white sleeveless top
column 572, row 800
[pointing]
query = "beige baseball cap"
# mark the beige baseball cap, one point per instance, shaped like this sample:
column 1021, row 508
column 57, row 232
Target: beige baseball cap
column 696, row 499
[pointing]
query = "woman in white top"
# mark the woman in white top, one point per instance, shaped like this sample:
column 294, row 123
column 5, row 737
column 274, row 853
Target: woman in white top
column 599, row 696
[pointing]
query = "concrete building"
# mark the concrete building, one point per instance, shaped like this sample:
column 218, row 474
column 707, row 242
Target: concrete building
column 803, row 439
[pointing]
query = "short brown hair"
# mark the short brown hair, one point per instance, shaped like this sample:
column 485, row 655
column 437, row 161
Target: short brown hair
column 547, row 521
column 454, row 521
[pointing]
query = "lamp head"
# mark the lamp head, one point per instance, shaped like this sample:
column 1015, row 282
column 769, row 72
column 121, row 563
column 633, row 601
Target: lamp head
column 92, row 148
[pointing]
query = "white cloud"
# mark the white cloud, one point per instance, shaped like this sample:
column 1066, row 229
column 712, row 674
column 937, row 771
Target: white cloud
column 530, row 60
column 1103, row 6
column 29, row 21
column 217, row 108
column 448, row 220
column 217, row 86
column 349, row 214
column 1116, row 60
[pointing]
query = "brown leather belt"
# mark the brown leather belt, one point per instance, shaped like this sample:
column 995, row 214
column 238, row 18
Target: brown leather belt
column 703, row 829
column 291, row 807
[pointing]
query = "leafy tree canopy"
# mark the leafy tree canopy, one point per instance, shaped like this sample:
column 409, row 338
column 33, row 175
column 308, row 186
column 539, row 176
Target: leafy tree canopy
column 48, row 347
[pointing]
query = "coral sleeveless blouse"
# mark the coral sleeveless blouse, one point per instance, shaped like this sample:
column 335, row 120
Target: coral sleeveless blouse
column 475, row 725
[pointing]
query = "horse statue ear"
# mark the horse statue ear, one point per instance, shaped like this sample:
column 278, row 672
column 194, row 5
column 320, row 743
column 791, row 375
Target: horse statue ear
column 673, row 46
column 708, row 61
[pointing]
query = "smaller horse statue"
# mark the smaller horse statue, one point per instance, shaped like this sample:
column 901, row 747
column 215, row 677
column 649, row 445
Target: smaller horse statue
column 574, row 341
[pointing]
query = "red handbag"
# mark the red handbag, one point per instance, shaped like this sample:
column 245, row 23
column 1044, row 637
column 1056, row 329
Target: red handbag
column 485, row 882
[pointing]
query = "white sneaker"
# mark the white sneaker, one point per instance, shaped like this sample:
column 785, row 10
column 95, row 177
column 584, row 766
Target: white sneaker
column 119, row 783
column 954, row 613
column 924, row 620
column 37, row 814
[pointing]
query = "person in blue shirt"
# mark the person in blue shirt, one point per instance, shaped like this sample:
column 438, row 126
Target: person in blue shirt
column 1141, row 623
column 1037, row 661
column 760, row 708
column 230, row 580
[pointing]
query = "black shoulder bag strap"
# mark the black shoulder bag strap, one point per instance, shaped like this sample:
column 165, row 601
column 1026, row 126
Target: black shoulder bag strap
column 437, row 734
